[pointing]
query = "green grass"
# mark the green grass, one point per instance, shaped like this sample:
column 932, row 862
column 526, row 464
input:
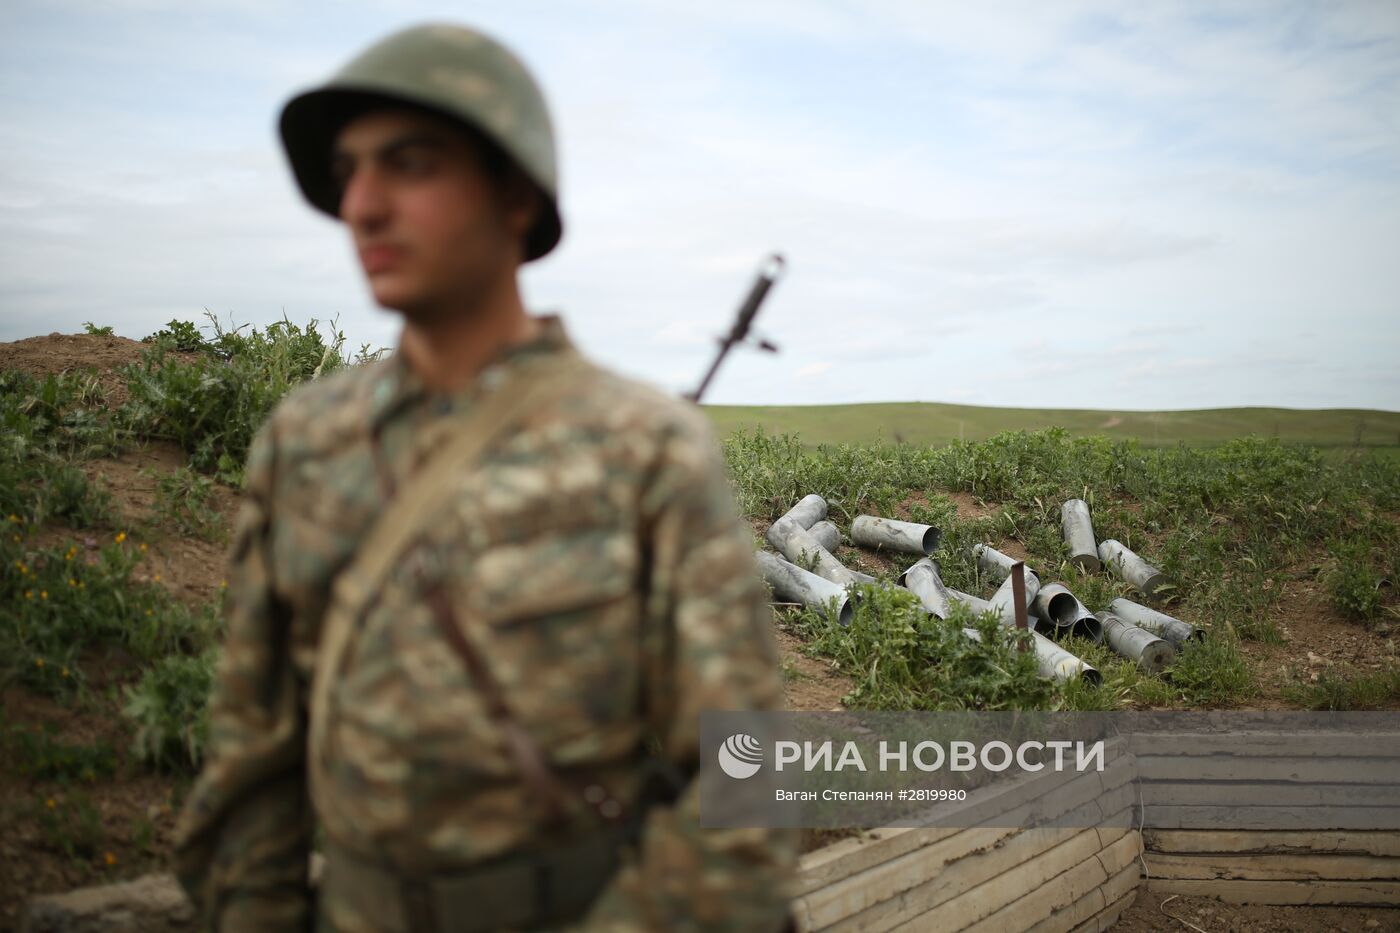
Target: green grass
column 1227, row 525
column 1228, row 518
column 184, row 502
column 40, row 753
column 902, row 659
column 1332, row 691
column 937, row 424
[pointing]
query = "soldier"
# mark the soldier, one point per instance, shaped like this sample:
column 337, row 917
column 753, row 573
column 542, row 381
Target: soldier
column 480, row 589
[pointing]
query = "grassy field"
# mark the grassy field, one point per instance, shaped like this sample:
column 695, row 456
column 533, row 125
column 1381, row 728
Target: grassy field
column 935, row 423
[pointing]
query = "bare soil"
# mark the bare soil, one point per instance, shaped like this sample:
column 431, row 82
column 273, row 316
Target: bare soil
column 136, row 809
column 1318, row 639
column 190, row 567
column 809, row 683
column 970, row 506
column 1151, row 913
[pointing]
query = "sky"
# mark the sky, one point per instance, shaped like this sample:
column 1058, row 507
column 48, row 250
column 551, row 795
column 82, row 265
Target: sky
column 1034, row 204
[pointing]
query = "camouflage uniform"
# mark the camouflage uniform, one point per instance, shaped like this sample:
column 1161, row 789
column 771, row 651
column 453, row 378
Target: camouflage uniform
column 596, row 558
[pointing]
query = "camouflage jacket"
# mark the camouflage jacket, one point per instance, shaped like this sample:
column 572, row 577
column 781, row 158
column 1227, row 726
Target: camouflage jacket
column 610, row 586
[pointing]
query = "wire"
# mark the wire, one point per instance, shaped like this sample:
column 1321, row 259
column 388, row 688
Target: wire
column 1163, row 908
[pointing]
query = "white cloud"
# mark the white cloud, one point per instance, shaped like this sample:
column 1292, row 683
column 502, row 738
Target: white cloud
column 977, row 201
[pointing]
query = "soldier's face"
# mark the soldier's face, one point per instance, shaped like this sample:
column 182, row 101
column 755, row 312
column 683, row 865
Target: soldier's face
column 433, row 228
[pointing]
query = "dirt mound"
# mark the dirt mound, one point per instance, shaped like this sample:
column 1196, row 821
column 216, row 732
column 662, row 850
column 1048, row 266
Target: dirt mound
column 101, row 354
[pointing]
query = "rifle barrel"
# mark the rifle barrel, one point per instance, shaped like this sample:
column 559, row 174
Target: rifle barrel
column 768, row 273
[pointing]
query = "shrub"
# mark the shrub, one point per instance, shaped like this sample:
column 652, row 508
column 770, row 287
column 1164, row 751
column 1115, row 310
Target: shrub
column 1212, row 673
column 1352, row 581
column 183, row 336
column 213, row 404
column 901, row 658
column 170, row 708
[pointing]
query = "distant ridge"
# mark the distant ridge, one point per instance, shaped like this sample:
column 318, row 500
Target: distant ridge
column 939, row 423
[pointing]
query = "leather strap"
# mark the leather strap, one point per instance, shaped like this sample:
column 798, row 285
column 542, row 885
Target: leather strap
column 381, row 548
column 535, row 771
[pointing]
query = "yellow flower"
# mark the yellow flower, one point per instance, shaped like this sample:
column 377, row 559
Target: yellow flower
column 51, row 803
column 15, row 518
column 156, row 578
column 65, row 672
column 16, row 538
column 82, row 585
column 109, row 858
column 223, row 584
column 72, row 582
column 148, row 612
column 39, row 663
column 143, row 547
column 28, row 594
column 43, row 594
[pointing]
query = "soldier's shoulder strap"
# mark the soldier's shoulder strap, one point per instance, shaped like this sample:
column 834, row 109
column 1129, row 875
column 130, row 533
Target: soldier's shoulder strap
column 394, row 529
column 468, row 437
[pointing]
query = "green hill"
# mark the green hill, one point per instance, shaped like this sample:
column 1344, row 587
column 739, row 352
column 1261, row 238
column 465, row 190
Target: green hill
column 935, row 423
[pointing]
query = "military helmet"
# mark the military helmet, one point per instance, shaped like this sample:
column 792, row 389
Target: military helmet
column 453, row 71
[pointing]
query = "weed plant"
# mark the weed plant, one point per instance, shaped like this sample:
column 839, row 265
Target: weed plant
column 67, row 599
column 71, row 824
column 1333, row 691
column 1354, row 579
column 213, row 403
column 170, row 708
column 903, row 659
column 48, row 429
column 185, row 501
column 41, row 754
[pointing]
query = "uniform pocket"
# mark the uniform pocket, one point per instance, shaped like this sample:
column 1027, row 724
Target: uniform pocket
column 560, row 626
column 553, row 574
